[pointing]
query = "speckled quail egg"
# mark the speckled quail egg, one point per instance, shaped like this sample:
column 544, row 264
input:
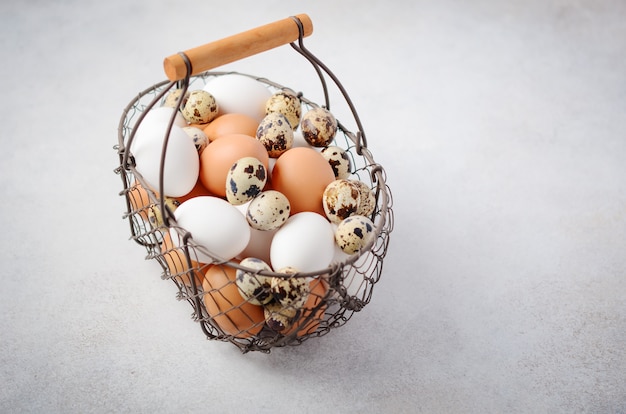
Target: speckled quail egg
column 280, row 318
column 319, row 127
column 367, row 202
column 199, row 107
column 200, row 139
column 341, row 199
column 154, row 211
column 287, row 103
column 268, row 211
column 354, row 233
column 172, row 98
column 290, row 291
column 254, row 287
column 275, row 134
column 338, row 158
column 245, row 180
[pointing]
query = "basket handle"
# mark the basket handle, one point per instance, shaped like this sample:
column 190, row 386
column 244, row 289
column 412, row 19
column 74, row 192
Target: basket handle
column 235, row 47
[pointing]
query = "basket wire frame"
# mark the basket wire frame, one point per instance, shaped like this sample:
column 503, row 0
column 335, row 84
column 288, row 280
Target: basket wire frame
column 348, row 284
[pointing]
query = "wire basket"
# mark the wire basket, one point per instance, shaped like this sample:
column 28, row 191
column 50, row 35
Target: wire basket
column 296, row 305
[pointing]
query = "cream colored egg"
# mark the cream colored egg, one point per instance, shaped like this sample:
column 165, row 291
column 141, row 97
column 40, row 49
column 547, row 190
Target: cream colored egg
column 172, row 98
column 275, row 134
column 268, row 211
column 354, row 233
column 245, row 180
column 200, row 140
column 319, row 127
column 367, row 199
column 338, row 158
column 341, row 199
column 280, row 318
column 290, row 291
column 254, row 287
column 287, row 103
column 200, row 107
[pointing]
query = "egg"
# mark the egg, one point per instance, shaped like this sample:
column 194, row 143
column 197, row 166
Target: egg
column 268, row 211
column 196, row 191
column 220, row 155
column 339, row 160
column 199, row 107
column 177, row 264
column 139, row 200
column 280, row 318
column 354, row 233
column 367, row 202
column 182, row 163
column 245, row 179
column 302, row 174
column 172, row 98
column 290, row 291
column 341, row 199
column 228, row 124
column 240, row 94
column 275, row 134
column 154, row 211
column 254, row 287
column 312, row 312
column 287, row 103
column 305, row 242
column 318, row 126
column 233, row 314
column 200, row 140
column 215, row 224
column 260, row 240
column 161, row 116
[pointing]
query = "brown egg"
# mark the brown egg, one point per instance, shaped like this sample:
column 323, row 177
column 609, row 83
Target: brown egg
column 230, row 311
column 139, row 199
column 177, row 262
column 302, row 175
column 219, row 156
column 228, row 124
column 318, row 290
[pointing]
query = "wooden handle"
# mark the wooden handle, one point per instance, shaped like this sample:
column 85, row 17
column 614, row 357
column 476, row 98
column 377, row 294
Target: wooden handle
column 239, row 46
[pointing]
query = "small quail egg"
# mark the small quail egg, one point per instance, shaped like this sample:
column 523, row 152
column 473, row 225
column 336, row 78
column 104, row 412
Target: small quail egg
column 268, row 211
column 154, row 211
column 200, row 140
column 280, row 318
column 341, row 199
column 319, row 127
column 245, row 179
column 367, row 202
column 199, row 107
column 354, row 233
column 338, row 159
column 172, row 98
column 287, row 103
column 253, row 286
column 275, row 134
column 290, row 291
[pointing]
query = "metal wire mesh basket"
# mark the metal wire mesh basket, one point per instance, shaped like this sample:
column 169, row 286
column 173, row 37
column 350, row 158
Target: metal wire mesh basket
column 286, row 308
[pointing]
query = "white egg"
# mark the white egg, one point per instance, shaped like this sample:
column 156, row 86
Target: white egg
column 260, row 240
column 215, row 224
column 182, row 164
column 163, row 114
column 305, row 242
column 239, row 94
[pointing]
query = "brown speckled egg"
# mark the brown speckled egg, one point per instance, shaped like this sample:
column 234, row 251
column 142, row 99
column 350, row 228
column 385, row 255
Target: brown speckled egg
column 200, row 140
column 319, row 127
column 290, row 291
column 199, row 107
column 338, row 158
column 254, row 287
column 245, row 180
column 275, row 134
column 154, row 211
column 367, row 202
column 280, row 318
column 341, row 199
column 268, row 211
column 173, row 97
column 287, row 103
column 353, row 233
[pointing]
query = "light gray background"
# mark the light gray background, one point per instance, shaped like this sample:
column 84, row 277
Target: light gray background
column 502, row 127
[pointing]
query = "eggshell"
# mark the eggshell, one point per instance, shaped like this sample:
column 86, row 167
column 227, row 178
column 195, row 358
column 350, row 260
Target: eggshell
column 302, row 175
column 196, row 191
column 338, row 159
column 230, row 311
column 239, row 94
column 305, row 242
column 254, row 287
column 199, row 107
column 275, row 134
column 354, row 233
column 290, row 291
column 181, row 160
column 268, row 211
column 229, row 124
column 245, row 180
column 367, row 202
column 341, row 199
column 139, row 199
column 200, row 140
column 280, row 318
column 155, row 217
column 260, row 240
column 173, row 96
column 318, row 126
column 214, row 224
column 177, row 264
column 318, row 289
column 219, row 156
column 287, row 103
column 162, row 115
